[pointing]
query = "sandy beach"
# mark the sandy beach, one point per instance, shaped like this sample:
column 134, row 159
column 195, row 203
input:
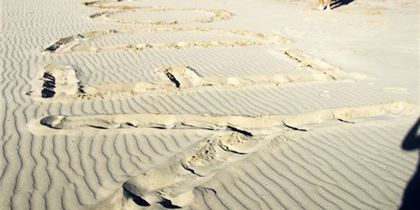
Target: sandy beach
column 209, row 104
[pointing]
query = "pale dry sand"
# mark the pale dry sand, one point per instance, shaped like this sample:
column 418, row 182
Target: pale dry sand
column 210, row 104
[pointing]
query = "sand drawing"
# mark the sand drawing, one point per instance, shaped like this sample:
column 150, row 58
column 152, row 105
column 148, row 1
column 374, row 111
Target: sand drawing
column 242, row 124
column 112, row 8
column 74, row 43
column 320, row 65
column 180, row 79
column 96, row 121
column 235, row 138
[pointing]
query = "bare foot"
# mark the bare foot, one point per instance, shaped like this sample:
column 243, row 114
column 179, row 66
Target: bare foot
column 320, row 7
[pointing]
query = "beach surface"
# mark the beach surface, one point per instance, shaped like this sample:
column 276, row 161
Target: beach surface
column 209, row 104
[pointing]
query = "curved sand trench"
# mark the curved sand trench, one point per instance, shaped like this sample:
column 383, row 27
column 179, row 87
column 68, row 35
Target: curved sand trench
column 71, row 43
column 117, row 8
column 235, row 138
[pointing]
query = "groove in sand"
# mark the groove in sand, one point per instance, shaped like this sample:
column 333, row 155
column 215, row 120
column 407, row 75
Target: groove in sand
column 56, row 81
column 316, row 64
column 110, row 10
column 173, row 182
column 60, row 124
column 175, row 79
column 71, row 43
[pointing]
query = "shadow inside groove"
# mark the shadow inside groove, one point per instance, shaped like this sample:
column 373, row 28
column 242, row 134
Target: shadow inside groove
column 168, row 204
column 137, row 199
column 48, row 86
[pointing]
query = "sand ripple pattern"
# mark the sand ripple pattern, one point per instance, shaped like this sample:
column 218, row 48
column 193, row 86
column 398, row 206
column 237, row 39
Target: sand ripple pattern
column 311, row 137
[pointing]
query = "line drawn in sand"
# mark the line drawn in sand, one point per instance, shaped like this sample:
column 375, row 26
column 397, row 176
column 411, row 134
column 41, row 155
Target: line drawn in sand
column 173, row 183
column 316, row 64
column 246, row 125
column 74, row 43
column 114, row 7
column 184, row 79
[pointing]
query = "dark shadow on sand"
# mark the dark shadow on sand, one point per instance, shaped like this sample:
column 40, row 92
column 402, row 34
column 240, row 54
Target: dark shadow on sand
column 411, row 197
column 339, row 3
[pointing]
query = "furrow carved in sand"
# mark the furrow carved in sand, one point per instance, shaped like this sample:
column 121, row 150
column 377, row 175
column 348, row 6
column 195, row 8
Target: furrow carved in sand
column 112, row 8
column 217, row 14
column 73, row 43
column 172, row 184
column 175, row 79
column 89, row 125
column 186, row 78
column 310, row 62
